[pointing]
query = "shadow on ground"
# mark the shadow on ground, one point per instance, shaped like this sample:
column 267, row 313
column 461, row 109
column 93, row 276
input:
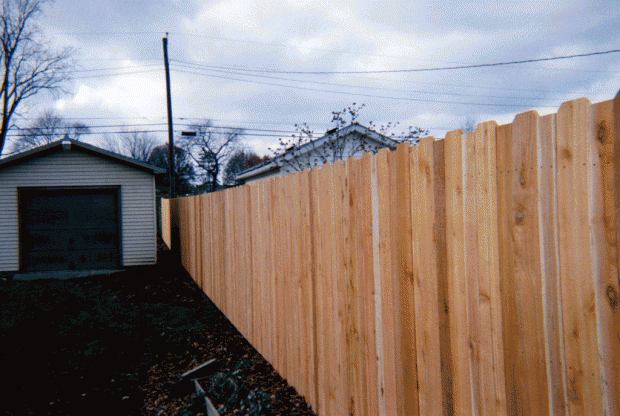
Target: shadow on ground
column 117, row 344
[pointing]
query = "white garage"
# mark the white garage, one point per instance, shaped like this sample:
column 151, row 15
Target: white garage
column 70, row 206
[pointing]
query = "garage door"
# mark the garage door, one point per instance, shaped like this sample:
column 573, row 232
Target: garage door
column 67, row 229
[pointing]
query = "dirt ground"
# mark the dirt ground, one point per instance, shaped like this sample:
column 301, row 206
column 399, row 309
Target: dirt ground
column 119, row 344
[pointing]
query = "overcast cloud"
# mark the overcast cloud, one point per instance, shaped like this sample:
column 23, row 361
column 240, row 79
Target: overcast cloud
column 220, row 53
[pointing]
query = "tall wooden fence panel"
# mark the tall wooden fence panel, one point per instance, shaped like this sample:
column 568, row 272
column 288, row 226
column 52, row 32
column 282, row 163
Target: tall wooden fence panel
column 472, row 275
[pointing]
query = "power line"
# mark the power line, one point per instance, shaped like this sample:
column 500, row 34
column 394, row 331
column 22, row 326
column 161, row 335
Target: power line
column 63, row 132
column 360, row 94
column 111, row 33
column 238, row 68
column 367, row 87
column 117, row 68
column 116, row 74
column 445, row 68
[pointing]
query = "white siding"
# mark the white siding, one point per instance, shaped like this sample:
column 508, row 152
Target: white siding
column 313, row 157
column 138, row 219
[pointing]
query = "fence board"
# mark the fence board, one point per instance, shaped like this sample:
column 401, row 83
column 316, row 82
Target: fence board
column 306, row 341
column 457, row 284
column 578, row 295
column 439, row 241
column 399, row 211
column 352, row 324
column 367, row 287
column 384, row 286
column 473, row 275
column 424, row 288
column 604, row 245
column 322, row 230
column 341, row 250
column 492, row 346
column 549, row 257
column 524, row 218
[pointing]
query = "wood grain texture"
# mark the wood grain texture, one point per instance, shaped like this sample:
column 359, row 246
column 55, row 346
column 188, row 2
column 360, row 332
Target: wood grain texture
column 457, row 281
column 532, row 387
column 577, row 259
column 604, row 244
column 439, row 240
column 471, row 266
column 473, row 275
column 385, row 279
column 352, row 324
column 424, row 284
column 491, row 342
column 547, row 183
column 367, row 288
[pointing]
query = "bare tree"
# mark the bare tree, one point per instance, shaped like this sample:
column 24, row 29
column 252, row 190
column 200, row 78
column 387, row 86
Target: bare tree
column 210, row 148
column 183, row 169
column 238, row 162
column 469, row 124
column 302, row 151
column 45, row 129
column 29, row 65
column 290, row 152
column 135, row 144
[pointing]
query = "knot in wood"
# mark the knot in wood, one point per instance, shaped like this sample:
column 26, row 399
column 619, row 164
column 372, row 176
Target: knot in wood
column 612, row 296
column 519, row 216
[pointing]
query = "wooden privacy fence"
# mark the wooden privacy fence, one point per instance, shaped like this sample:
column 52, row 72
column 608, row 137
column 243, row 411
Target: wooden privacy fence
column 472, row 275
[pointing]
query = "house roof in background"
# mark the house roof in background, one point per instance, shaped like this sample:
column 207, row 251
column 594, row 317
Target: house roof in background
column 73, row 145
column 271, row 165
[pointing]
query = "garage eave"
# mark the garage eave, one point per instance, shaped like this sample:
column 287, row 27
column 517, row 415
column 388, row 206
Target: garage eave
column 73, row 145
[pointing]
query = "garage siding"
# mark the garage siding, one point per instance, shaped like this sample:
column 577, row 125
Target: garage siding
column 138, row 220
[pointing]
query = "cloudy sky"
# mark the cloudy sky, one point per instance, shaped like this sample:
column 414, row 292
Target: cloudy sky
column 266, row 65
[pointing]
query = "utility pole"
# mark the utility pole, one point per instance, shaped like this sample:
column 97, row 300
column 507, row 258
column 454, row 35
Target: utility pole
column 170, row 135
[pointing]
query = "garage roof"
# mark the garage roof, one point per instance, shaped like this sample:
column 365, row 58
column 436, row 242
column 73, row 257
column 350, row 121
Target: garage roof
column 65, row 145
